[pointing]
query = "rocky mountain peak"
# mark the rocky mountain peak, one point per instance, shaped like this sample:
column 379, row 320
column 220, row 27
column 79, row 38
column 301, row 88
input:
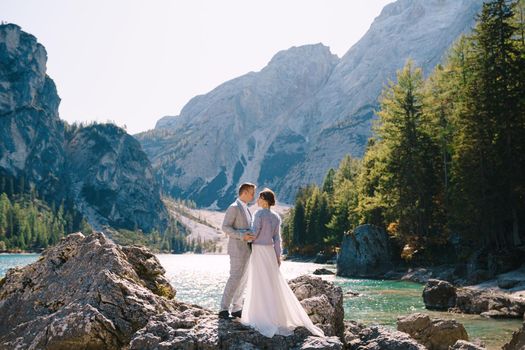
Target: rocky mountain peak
column 101, row 167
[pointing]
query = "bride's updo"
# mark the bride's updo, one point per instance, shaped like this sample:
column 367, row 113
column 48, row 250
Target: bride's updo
column 268, row 196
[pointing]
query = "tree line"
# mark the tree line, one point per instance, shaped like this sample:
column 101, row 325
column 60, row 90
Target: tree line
column 447, row 157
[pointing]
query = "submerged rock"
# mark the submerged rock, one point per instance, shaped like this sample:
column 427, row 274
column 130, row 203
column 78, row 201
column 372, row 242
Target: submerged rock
column 323, row 271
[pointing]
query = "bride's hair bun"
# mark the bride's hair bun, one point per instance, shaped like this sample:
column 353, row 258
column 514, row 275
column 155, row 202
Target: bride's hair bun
column 268, row 196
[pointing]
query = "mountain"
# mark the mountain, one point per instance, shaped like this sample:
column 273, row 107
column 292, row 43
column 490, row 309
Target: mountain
column 285, row 126
column 99, row 168
column 227, row 135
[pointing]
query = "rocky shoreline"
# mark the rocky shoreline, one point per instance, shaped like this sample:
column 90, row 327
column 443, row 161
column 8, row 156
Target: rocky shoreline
column 89, row 293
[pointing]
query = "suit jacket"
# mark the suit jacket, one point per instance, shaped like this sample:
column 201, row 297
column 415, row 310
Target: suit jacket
column 234, row 225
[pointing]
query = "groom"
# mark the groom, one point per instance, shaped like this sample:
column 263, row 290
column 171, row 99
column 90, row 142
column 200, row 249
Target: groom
column 236, row 225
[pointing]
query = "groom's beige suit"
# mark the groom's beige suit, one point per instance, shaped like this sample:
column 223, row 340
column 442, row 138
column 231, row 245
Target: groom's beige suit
column 236, row 223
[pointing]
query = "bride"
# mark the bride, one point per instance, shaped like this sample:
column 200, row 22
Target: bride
column 270, row 305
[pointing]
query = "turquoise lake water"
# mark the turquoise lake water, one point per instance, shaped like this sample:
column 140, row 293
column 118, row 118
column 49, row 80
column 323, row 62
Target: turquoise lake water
column 200, row 279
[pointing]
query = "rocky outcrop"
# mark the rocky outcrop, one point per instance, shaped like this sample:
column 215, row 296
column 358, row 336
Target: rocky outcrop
column 196, row 329
column 285, row 126
column 360, row 337
column 31, row 134
column 439, row 295
column 489, row 303
column 365, row 252
column 435, row 334
column 112, row 181
column 240, row 131
column 518, row 340
column 85, row 292
column 89, row 293
column 465, row 345
column 98, row 170
column 322, row 301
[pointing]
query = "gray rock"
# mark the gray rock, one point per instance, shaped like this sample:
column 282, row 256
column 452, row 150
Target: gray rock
column 360, row 337
column 323, row 272
column 418, row 275
column 489, row 303
column 112, row 181
column 435, row 334
column 465, row 345
column 322, row 301
column 194, row 329
column 439, row 295
column 89, row 293
column 85, row 292
column 518, row 340
column 365, row 253
column 31, row 134
column 285, row 126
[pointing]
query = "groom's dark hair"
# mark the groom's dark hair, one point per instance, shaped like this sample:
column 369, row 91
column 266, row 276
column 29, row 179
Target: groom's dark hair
column 245, row 186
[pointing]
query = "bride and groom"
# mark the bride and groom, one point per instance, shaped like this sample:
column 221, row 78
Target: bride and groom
column 254, row 247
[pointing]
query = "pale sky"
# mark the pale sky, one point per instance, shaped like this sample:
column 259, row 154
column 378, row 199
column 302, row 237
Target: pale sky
column 133, row 62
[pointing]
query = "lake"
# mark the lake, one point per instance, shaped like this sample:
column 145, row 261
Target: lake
column 200, row 279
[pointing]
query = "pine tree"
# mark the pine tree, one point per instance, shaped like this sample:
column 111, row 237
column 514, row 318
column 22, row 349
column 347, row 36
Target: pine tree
column 328, row 183
column 489, row 160
column 409, row 185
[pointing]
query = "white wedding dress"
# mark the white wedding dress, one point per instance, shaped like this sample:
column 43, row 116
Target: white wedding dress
column 270, row 305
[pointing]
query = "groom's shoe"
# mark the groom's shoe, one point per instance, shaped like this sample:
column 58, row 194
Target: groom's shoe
column 237, row 314
column 225, row 315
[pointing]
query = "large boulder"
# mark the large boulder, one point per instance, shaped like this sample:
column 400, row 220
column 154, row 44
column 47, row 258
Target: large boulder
column 322, row 301
column 89, row 293
column 360, row 337
column 86, row 291
column 439, row 295
column 489, row 303
column 518, row 340
column 365, row 252
column 435, row 334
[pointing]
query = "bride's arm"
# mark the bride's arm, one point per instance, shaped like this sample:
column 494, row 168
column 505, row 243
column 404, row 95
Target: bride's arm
column 277, row 242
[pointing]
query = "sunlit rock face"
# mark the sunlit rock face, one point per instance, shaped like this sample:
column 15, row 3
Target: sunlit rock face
column 286, row 125
column 100, row 168
column 31, row 133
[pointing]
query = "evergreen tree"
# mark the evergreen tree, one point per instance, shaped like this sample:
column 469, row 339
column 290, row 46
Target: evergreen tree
column 328, row 183
column 489, row 157
column 409, row 186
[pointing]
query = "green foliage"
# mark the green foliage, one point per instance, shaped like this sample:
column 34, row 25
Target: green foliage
column 488, row 158
column 28, row 223
column 448, row 154
column 409, row 185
